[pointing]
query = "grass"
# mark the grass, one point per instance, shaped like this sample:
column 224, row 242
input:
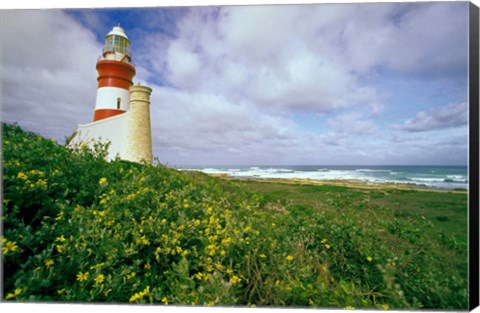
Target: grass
column 447, row 210
column 79, row 229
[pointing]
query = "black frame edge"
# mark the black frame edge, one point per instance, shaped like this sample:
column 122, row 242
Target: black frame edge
column 473, row 218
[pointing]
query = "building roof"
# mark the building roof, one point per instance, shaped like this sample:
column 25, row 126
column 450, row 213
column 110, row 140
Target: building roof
column 117, row 30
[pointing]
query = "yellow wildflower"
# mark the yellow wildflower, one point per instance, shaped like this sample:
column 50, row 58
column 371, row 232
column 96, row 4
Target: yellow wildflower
column 226, row 241
column 211, row 303
column 9, row 246
column 140, row 295
column 61, row 238
column 369, row 258
column 59, row 249
column 165, row 300
column 235, row 279
column 59, row 216
column 22, row 175
column 104, row 200
column 145, row 241
column 82, row 276
column 289, row 258
column 130, row 276
column 42, row 183
column 102, row 181
column 328, row 246
column 349, row 307
column 385, row 306
column 263, row 256
column 99, row 279
column 147, row 266
column 49, row 263
column 15, row 293
column 209, row 268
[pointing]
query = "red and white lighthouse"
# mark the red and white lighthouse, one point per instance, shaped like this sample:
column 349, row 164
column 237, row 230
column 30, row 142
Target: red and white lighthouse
column 115, row 75
column 122, row 110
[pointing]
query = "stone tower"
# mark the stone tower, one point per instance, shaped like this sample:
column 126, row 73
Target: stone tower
column 139, row 134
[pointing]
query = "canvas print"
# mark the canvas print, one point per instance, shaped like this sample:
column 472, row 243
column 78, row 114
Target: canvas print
column 300, row 156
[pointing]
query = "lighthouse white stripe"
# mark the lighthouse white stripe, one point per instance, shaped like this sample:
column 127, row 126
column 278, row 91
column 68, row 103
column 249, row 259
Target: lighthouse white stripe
column 107, row 98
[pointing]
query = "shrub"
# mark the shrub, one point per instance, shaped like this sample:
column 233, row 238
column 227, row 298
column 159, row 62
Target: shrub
column 80, row 229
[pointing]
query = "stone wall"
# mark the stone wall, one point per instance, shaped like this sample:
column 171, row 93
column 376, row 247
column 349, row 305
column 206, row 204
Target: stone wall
column 139, row 133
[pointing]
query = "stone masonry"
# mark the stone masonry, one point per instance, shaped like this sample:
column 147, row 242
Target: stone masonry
column 139, row 138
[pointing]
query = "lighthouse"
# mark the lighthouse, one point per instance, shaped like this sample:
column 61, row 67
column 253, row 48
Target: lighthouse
column 122, row 109
column 115, row 75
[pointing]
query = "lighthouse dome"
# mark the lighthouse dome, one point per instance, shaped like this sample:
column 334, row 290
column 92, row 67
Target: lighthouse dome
column 117, row 45
column 118, row 31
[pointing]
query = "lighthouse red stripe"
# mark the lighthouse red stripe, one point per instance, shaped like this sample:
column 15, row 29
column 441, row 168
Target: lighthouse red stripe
column 113, row 73
column 110, row 81
column 100, row 114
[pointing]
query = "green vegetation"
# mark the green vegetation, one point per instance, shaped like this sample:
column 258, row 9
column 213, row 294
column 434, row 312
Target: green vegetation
column 80, row 229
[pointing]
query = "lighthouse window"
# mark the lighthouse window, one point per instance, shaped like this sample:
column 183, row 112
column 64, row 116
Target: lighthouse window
column 118, row 103
column 117, row 44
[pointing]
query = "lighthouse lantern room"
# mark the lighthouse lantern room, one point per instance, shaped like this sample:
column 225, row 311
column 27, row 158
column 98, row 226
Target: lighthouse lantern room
column 115, row 75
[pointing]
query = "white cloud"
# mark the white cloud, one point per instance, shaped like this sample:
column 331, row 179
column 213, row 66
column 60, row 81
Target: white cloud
column 428, row 39
column 428, row 35
column 267, row 54
column 49, row 77
column 184, row 66
column 240, row 72
column 452, row 115
column 351, row 124
column 234, row 77
column 200, row 124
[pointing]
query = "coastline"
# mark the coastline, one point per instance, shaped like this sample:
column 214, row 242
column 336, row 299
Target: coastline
column 349, row 183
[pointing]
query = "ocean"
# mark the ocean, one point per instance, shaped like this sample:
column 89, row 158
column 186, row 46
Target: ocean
column 438, row 177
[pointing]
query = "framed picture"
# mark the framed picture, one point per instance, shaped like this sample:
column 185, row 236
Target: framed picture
column 268, row 156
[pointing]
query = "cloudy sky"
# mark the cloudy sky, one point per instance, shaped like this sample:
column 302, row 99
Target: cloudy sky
column 320, row 84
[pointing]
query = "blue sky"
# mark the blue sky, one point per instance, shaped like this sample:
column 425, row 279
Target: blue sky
column 323, row 84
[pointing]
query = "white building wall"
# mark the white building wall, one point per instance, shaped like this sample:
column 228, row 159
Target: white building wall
column 107, row 98
column 112, row 129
